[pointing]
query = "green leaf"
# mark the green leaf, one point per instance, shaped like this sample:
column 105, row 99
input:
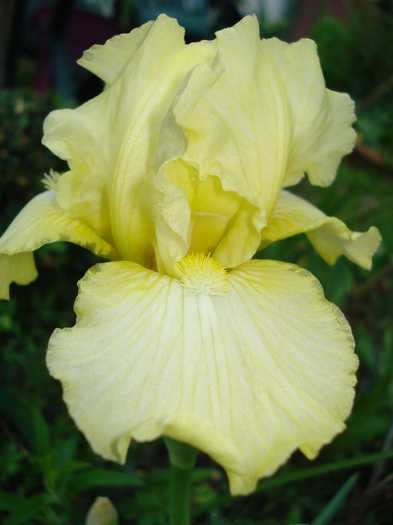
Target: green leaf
column 41, row 433
column 330, row 510
column 73, row 466
column 101, row 478
column 27, row 509
column 283, row 479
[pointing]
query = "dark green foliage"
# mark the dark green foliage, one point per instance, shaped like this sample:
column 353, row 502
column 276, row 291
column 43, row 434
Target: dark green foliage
column 356, row 59
column 23, row 161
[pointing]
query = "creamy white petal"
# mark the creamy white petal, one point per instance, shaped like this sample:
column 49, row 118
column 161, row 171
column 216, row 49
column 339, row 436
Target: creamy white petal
column 329, row 236
column 247, row 375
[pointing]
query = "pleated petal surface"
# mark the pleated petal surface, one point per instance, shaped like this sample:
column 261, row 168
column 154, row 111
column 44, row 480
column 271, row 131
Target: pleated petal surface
column 329, row 236
column 247, row 375
column 111, row 141
column 269, row 118
column 239, row 131
column 109, row 61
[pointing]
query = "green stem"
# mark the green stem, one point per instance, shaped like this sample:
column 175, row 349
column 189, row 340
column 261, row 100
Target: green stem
column 182, row 458
column 179, row 496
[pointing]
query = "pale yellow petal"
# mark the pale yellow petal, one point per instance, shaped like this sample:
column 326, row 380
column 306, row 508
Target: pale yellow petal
column 81, row 137
column 175, row 179
column 160, row 71
column 247, row 366
column 42, row 221
column 268, row 119
column 109, row 61
column 205, row 218
column 240, row 129
column 216, row 218
column 18, row 268
column 111, row 141
column 329, row 236
column 321, row 132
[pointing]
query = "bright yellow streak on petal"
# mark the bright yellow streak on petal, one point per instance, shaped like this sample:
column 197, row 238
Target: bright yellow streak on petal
column 206, row 229
column 212, row 209
column 202, row 274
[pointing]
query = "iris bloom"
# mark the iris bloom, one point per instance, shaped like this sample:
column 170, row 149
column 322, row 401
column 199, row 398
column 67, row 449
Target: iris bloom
column 177, row 176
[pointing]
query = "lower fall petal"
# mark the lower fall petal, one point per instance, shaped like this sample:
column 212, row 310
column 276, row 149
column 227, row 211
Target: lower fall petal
column 247, row 375
column 18, row 268
column 43, row 221
column 329, row 236
column 40, row 222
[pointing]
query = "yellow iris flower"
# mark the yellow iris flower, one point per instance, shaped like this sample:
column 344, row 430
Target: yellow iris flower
column 176, row 176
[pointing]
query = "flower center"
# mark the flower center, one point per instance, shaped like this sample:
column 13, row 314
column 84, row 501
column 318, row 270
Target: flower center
column 202, row 274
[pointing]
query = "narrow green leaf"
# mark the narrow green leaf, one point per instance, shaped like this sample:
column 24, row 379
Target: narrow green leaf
column 101, row 478
column 28, row 507
column 283, row 479
column 73, row 466
column 41, row 433
column 330, row 510
column 320, row 470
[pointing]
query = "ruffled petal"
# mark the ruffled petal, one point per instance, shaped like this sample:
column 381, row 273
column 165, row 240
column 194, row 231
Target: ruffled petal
column 40, row 222
column 268, row 119
column 246, row 366
column 110, row 60
column 329, row 236
column 239, row 131
column 210, row 216
column 320, row 119
column 81, row 137
column 19, row 268
column 111, row 141
column 175, row 179
column 159, row 72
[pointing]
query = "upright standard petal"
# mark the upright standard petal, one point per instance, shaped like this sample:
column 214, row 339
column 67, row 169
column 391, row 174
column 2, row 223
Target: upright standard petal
column 111, row 141
column 321, row 132
column 240, row 130
column 329, row 236
column 40, row 222
column 209, row 216
column 148, row 88
column 246, row 366
column 268, row 119
column 110, row 60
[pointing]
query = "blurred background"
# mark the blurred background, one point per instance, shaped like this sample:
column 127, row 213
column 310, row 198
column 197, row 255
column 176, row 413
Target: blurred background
column 48, row 473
